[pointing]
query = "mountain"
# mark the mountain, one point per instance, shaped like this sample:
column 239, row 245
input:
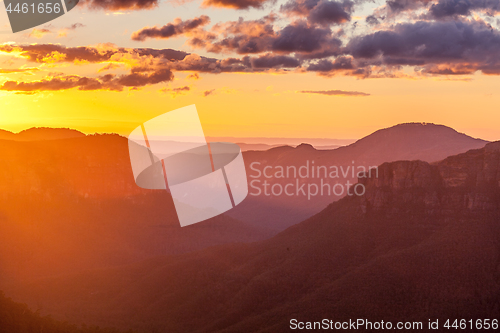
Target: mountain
column 255, row 146
column 412, row 141
column 17, row 318
column 41, row 133
column 422, row 243
column 6, row 135
column 72, row 204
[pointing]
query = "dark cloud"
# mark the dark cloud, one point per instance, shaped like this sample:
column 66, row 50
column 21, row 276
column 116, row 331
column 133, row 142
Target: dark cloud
column 177, row 28
column 321, row 12
column 142, row 79
column 236, row 4
column 451, row 45
column 397, row 6
column 274, row 61
column 301, row 38
column 258, row 36
column 242, row 37
column 331, row 12
column 114, row 5
column 446, row 8
column 334, row 92
column 372, row 20
column 339, row 64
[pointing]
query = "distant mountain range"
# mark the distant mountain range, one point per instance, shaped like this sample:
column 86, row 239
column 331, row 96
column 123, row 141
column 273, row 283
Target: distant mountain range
column 275, row 142
column 412, row 141
column 422, row 243
column 68, row 202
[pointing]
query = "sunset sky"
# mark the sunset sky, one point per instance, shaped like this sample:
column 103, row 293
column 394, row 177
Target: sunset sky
column 257, row 68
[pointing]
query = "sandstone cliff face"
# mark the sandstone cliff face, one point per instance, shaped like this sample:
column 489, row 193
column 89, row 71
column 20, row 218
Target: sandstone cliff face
column 459, row 184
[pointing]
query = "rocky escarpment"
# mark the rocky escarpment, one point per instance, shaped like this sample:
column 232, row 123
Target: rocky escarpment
column 461, row 184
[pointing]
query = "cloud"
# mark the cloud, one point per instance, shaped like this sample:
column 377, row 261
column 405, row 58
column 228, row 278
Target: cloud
column 242, row 37
column 177, row 28
column 430, row 48
column 50, row 53
column 339, row 64
column 108, row 67
column 18, row 70
column 320, row 12
column 146, row 66
column 174, row 92
column 208, row 92
column 334, row 92
column 138, row 59
column 59, row 83
column 447, row 8
column 300, row 37
column 107, row 82
column 258, row 36
column 398, row 6
column 39, row 33
column 114, row 5
column 372, row 20
column 236, row 4
column 274, row 61
column 42, row 52
column 193, row 76
column 450, row 47
column 64, row 31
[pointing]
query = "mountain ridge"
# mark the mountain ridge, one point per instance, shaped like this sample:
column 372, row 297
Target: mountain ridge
column 412, row 141
column 412, row 248
column 41, row 133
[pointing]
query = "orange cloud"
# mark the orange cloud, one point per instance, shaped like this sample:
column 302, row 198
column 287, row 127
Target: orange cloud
column 39, row 33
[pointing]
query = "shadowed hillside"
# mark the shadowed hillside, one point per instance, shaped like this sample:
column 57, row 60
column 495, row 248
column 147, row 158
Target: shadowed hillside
column 18, row 318
column 72, row 204
column 423, row 243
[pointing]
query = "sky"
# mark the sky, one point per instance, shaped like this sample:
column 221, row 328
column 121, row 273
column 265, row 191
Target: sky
column 257, row 68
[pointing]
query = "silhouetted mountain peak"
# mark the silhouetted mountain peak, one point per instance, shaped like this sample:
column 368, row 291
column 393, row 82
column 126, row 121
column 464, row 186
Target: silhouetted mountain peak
column 409, row 141
column 305, row 146
column 492, row 146
column 41, row 133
